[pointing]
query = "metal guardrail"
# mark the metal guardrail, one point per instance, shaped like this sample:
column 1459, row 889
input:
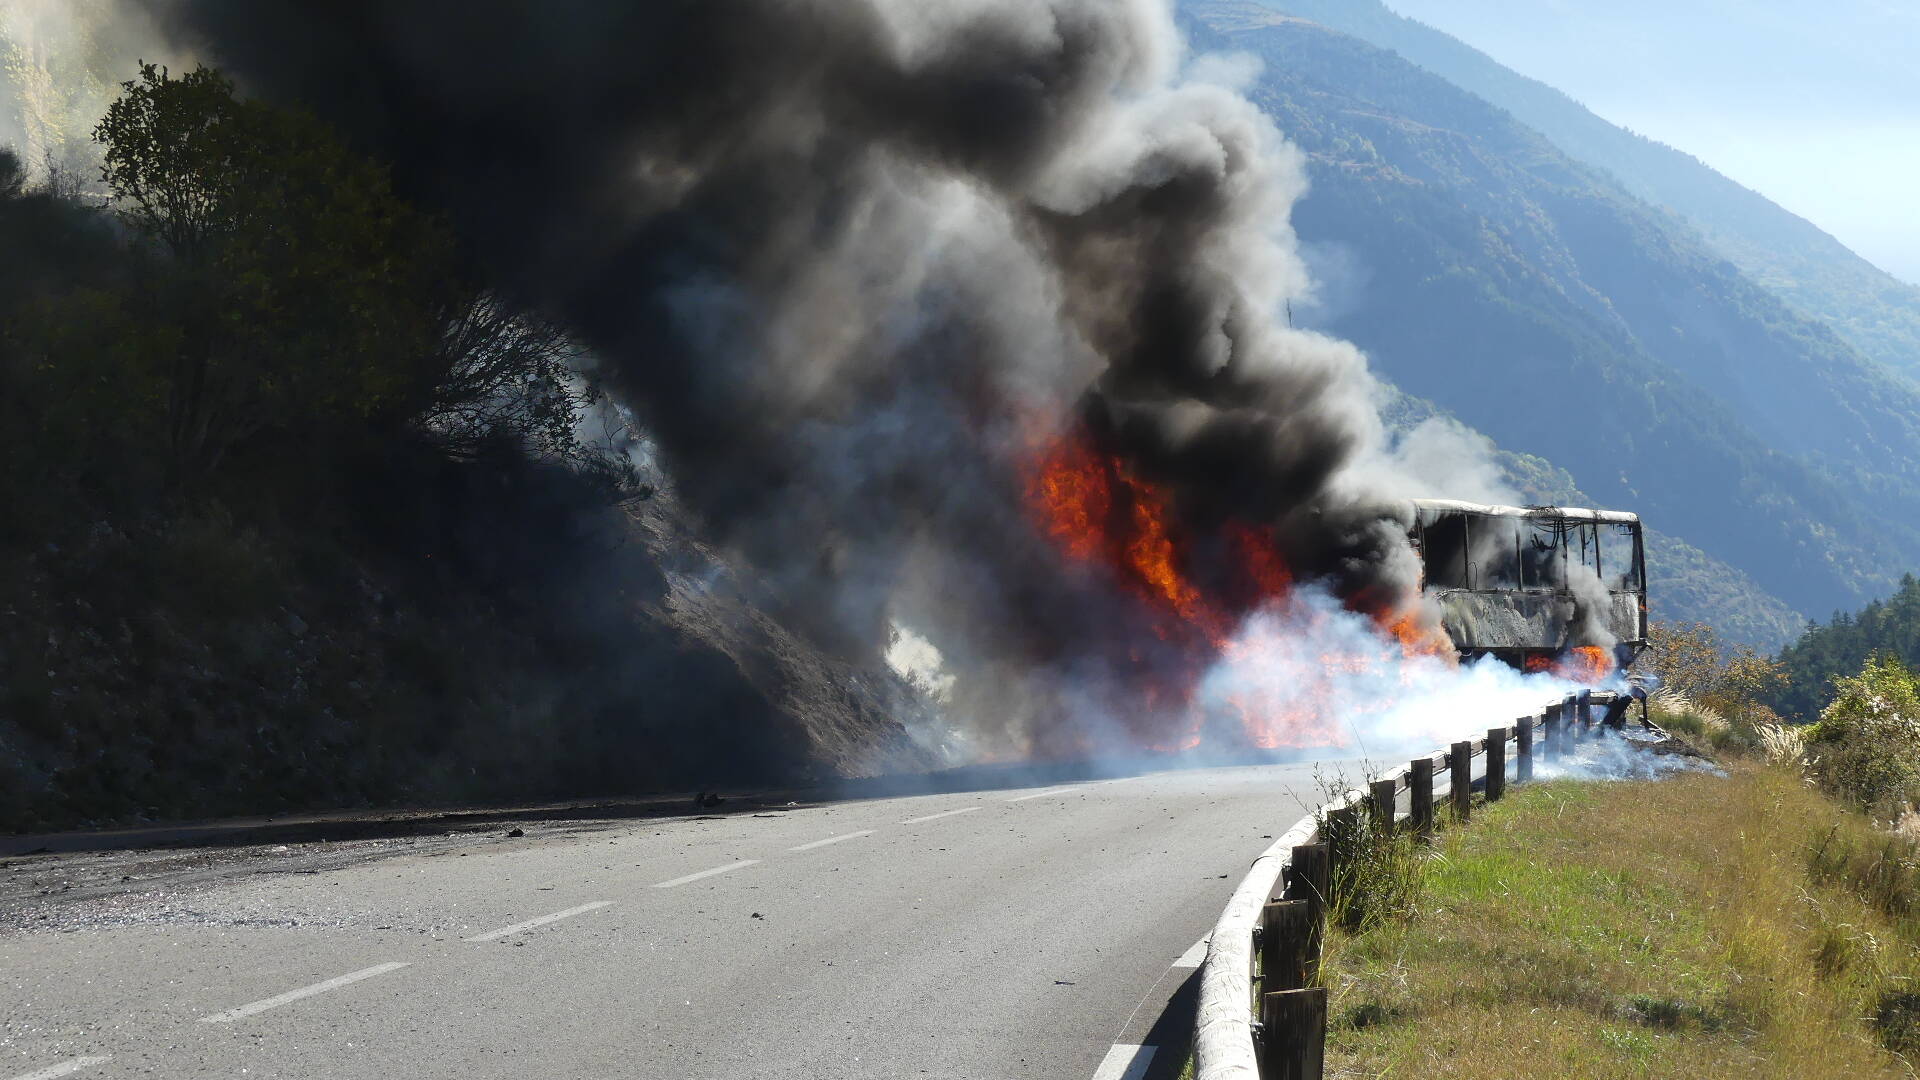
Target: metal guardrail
column 1277, row 913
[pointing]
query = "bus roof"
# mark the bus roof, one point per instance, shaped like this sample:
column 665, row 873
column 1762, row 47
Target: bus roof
column 1570, row 513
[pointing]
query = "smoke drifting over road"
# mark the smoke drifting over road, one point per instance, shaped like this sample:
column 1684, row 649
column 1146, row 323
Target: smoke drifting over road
column 876, row 274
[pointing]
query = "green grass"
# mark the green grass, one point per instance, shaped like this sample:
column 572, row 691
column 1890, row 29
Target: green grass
column 1682, row 928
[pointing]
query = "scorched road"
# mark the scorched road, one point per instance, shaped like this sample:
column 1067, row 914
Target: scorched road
column 1036, row 932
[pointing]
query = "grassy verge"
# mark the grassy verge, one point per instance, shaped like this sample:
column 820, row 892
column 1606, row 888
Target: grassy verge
column 1696, row 926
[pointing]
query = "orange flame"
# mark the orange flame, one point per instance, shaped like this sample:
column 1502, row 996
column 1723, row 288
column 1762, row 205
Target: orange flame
column 1587, row 664
column 1097, row 512
column 1072, row 491
column 1419, row 636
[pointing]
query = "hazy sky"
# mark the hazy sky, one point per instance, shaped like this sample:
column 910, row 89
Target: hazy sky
column 1814, row 104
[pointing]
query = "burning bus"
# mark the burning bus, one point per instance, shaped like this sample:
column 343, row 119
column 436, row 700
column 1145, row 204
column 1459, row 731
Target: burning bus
column 1542, row 587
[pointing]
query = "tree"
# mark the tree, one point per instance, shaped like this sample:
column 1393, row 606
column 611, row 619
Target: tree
column 1731, row 680
column 1845, row 643
column 303, row 291
column 510, row 375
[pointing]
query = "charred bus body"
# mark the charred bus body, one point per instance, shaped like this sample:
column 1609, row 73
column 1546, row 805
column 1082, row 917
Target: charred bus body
column 1529, row 585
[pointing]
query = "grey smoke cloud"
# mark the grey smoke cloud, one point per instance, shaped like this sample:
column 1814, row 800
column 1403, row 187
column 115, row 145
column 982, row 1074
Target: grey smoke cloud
column 848, row 261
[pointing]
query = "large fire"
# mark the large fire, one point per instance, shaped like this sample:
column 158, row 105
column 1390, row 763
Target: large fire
column 1197, row 594
column 1588, row 664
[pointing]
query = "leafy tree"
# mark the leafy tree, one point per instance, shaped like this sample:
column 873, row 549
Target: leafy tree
column 302, row 291
column 1733, row 680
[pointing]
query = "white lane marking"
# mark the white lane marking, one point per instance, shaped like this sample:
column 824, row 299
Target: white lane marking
column 704, row 874
column 295, row 995
column 938, row 816
column 1041, row 794
column 1194, row 956
column 65, row 1068
column 541, row 921
column 1125, row 1062
column 833, row 840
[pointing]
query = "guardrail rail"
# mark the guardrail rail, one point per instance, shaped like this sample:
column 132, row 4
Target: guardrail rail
column 1260, row 1017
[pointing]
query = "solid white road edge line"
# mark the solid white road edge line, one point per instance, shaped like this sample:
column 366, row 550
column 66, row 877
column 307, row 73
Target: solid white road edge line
column 304, row 992
column 1194, row 956
column 832, row 840
column 65, row 1068
column 1041, row 794
column 938, row 816
column 1125, row 1061
column 704, row 874
column 541, row 921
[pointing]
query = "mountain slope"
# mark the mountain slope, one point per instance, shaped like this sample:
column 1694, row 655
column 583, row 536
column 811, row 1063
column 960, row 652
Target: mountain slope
column 1876, row 313
column 1532, row 297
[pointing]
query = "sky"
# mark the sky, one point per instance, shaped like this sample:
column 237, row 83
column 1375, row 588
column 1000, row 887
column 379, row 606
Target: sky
column 1814, row 104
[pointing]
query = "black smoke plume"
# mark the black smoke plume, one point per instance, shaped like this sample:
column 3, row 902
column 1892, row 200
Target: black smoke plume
column 847, row 260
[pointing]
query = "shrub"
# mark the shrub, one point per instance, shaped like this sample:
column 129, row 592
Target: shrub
column 1897, row 1020
column 1381, row 877
column 1866, row 747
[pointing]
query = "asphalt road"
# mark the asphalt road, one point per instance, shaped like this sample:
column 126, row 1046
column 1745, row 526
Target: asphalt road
column 1036, row 932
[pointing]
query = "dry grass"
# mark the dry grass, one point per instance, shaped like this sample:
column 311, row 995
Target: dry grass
column 1680, row 928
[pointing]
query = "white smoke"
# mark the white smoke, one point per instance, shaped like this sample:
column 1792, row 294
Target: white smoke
column 1592, row 606
column 1609, row 755
column 61, row 63
column 1309, row 674
column 1438, row 458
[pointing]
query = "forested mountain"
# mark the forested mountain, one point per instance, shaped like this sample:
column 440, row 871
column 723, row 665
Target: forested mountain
column 1542, row 303
column 1844, row 643
column 1876, row 313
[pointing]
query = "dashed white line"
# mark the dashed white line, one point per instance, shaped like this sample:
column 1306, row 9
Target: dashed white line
column 295, row 995
column 1125, row 1061
column 1041, row 794
column 705, row 874
column 832, row 840
column 65, row 1068
column 938, row 816
column 1194, row 956
column 541, row 921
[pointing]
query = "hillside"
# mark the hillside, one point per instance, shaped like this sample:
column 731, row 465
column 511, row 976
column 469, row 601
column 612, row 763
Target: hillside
column 352, row 606
column 1874, row 312
column 1487, row 271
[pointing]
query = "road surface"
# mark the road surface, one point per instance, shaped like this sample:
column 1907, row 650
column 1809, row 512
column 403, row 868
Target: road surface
column 1033, row 932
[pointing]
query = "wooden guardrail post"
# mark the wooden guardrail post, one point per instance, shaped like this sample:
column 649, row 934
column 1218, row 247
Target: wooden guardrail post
column 1308, row 872
column 1383, row 797
column 1550, row 735
column 1571, row 719
column 1293, row 1026
column 1460, row 768
column 1287, row 938
column 1523, row 750
column 1339, row 831
column 1309, row 877
column 1584, row 709
column 1420, row 791
column 1496, row 763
